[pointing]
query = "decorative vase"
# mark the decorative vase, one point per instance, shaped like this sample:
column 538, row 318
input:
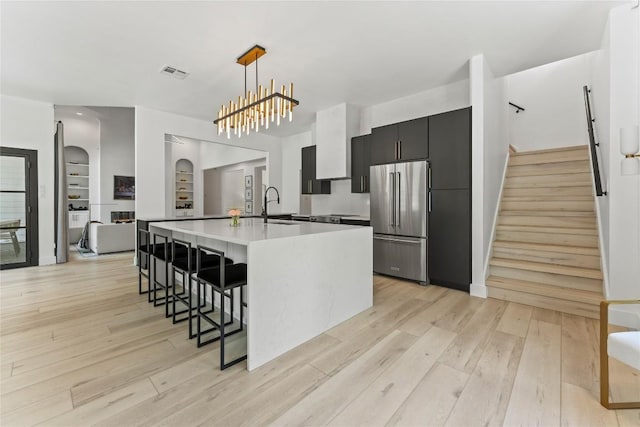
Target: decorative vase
column 235, row 221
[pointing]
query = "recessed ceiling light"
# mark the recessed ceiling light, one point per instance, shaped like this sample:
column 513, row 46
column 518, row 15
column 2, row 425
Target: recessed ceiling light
column 79, row 114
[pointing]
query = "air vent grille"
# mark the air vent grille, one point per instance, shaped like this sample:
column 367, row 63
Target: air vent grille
column 174, row 72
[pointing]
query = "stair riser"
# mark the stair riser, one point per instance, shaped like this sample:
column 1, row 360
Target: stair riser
column 584, row 190
column 556, row 205
column 581, row 166
column 545, row 247
column 548, row 238
column 556, row 258
column 547, row 268
column 567, row 180
column 549, row 291
column 571, row 307
column 542, row 221
column 552, row 157
column 560, row 280
column 550, row 213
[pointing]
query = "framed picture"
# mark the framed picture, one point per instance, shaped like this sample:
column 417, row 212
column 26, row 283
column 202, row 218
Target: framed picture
column 248, row 181
column 248, row 194
column 124, row 187
column 248, row 208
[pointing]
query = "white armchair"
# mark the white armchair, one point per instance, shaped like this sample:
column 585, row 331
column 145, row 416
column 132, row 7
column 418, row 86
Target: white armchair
column 623, row 346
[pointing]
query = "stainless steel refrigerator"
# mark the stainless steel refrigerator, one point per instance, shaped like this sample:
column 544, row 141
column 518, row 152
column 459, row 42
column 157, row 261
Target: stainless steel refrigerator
column 399, row 216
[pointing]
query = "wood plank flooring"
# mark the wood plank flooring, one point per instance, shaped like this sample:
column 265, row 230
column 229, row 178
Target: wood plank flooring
column 79, row 346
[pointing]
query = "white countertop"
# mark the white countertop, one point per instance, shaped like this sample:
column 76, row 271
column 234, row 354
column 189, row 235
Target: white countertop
column 250, row 229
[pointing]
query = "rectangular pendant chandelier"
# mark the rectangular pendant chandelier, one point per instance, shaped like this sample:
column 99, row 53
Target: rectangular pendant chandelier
column 257, row 109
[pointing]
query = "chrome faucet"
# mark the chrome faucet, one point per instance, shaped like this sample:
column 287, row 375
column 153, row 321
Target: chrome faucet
column 264, row 206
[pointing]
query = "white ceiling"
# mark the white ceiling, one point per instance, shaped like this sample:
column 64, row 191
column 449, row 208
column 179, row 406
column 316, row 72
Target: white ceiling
column 110, row 53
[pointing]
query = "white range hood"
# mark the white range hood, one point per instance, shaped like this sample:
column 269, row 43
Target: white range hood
column 335, row 127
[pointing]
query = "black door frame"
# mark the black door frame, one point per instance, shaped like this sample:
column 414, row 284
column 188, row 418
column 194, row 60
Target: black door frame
column 31, row 204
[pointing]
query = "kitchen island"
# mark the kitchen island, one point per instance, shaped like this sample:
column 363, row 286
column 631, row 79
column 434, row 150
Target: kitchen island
column 302, row 278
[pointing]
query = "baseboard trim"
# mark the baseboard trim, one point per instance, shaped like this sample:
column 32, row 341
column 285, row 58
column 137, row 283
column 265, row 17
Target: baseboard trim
column 47, row 260
column 479, row 291
column 627, row 316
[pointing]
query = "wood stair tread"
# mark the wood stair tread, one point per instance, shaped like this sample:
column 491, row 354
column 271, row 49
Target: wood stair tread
column 550, row 198
column 549, row 213
column 547, row 268
column 546, row 229
column 552, row 150
column 583, row 190
column 536, row 169
column 548, row 221
column 549, row 156
column 556, row 180
column 587, row 297
column 542, row 246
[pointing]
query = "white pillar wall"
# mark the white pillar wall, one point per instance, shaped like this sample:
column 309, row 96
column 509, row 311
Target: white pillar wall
column 624, row 191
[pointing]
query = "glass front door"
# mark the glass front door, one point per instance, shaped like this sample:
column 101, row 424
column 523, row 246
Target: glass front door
column 18, row 208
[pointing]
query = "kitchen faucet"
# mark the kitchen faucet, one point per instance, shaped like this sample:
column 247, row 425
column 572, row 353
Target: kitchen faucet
column 264, row 206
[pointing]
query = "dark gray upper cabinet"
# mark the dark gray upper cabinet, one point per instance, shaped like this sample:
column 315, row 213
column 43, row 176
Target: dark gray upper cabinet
column 360, row 162
column 450, row 149
column 400, row 142
column 309, row 184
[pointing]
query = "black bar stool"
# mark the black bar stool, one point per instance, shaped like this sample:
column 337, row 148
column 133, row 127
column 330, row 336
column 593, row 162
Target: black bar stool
column 163, row 252
column 186, row 266
column 143, row 257
column 222, row 280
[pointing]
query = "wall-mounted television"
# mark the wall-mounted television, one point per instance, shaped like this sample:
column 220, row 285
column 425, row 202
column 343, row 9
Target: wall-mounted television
column 124, row 187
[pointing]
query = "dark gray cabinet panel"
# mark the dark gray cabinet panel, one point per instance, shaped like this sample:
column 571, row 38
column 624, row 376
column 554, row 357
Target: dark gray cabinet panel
column 309, row 184
column 450, row 149
column 384, row 144
column 450, row 238
column 360, row 162
column 413, row 136
column 403, row 141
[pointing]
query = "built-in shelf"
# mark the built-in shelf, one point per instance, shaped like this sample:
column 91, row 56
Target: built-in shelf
column 77, row 164
column 184, row 172
column 78, row 200
column 78, row 176
column 77, row 188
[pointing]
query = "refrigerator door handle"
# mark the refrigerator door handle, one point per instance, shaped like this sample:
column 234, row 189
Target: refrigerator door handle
column 429, row 200
column 398, row 183
column 392, row 200
column 395, row 239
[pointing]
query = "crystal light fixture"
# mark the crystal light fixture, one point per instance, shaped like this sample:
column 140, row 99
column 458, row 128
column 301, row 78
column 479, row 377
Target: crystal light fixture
column 256, row 109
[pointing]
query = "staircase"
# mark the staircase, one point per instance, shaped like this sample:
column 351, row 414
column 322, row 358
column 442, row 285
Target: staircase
column 545, row 251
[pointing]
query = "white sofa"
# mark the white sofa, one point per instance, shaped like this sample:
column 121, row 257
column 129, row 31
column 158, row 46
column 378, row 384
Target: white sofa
column 107, row 238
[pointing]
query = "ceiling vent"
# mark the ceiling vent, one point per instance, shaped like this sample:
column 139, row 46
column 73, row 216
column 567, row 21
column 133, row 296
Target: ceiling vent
column 174, row 72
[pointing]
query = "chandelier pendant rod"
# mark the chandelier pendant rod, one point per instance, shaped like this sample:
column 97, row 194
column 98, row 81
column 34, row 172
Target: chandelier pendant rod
column 253, row 104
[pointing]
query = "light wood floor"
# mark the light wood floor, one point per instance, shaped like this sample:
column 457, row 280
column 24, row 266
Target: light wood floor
column 80, row 347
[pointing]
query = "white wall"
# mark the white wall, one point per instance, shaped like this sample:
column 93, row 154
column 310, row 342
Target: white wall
column 291, row 166
column 116, row 156
column 29, row 125
column 151, row 127
column 624, row 191
column 438, row 100
column 553, row 101
column 489, row 151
